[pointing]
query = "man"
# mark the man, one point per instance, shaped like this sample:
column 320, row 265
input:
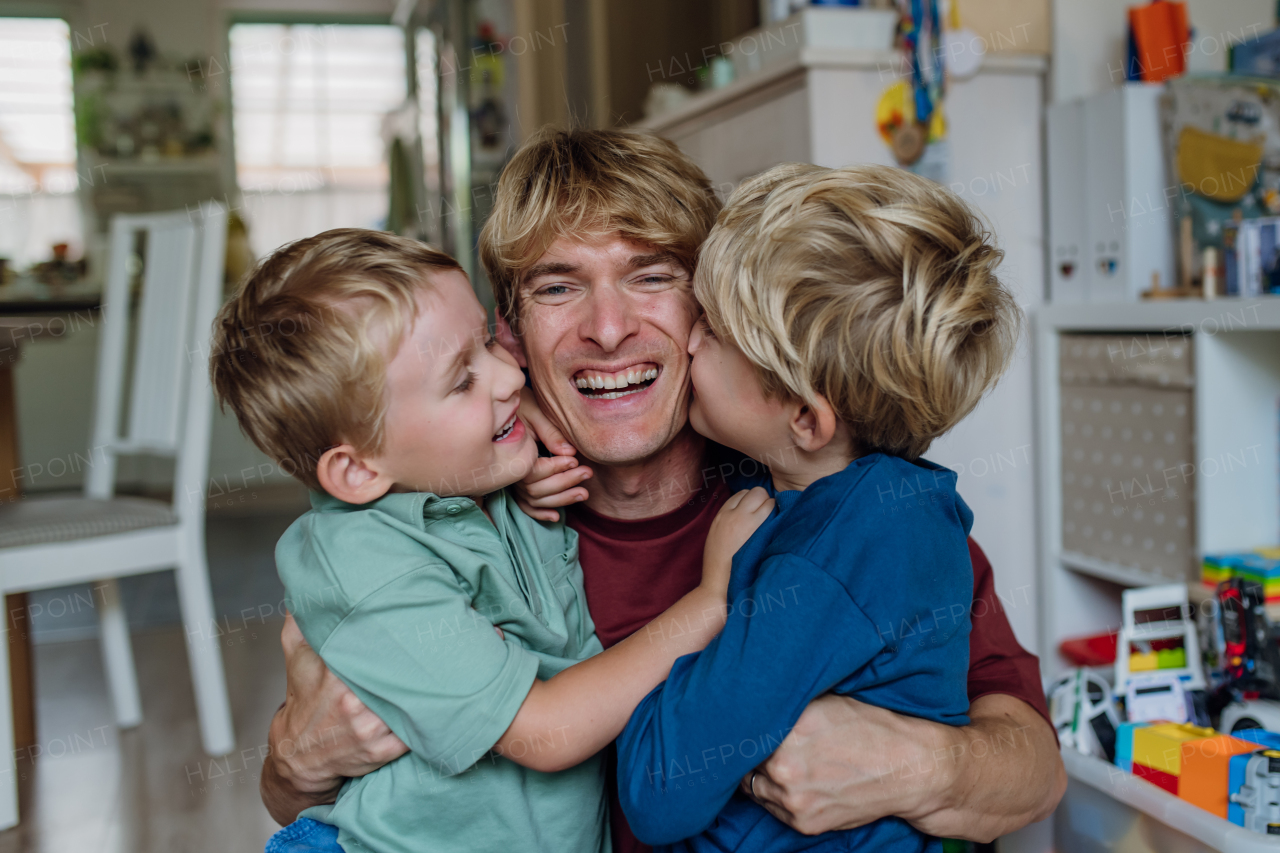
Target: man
column 591, row 248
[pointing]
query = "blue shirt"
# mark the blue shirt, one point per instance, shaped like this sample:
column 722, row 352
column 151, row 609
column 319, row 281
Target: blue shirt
column 859, row 585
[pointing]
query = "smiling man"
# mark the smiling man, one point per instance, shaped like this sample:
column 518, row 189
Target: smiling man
column 591, row 248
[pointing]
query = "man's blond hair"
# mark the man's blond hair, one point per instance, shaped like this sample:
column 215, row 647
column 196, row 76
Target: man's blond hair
column 300, row 353
column 566, row 183
column 868, row 285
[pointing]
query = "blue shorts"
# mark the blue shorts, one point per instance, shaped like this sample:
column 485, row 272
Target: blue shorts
column 305, row 835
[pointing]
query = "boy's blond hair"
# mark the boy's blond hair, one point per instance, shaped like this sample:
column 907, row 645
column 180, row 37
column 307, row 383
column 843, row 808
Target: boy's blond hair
column 572, row 182
column 868, row 285
column 300, row 353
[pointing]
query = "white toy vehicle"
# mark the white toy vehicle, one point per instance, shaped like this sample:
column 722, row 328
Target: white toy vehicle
column 1084, row 714
column 1250, row 714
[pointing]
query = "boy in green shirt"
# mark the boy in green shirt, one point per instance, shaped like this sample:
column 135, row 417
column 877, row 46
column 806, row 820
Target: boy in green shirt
column 362, row 363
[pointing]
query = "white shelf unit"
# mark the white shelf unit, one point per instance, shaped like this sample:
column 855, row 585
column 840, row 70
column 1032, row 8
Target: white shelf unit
column 1236, row 428
column 1236, row 394
column 1107, row 809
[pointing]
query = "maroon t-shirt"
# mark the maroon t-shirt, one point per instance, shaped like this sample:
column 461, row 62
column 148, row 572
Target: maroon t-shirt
column 635, row 570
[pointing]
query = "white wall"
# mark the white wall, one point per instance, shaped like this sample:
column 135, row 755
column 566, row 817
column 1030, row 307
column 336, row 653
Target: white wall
column 1089, row 39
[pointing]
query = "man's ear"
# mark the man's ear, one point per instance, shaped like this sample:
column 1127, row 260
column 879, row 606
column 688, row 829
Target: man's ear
column 507, row 338
column 351, row 476
column 813, row 425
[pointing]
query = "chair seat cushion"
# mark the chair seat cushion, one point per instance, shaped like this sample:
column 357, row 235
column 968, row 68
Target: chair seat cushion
column 38, row 521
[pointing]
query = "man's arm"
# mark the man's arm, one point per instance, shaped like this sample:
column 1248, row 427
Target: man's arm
column 846, row 764
column 321, row 734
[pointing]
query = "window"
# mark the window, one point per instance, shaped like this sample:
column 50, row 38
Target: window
column 308, row 103
column 38, row 205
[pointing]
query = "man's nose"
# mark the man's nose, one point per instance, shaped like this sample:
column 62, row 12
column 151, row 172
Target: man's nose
column 610, row 320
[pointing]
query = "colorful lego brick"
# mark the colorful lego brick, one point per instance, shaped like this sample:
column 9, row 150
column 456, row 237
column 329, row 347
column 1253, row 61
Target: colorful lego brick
column 1236, row 775
column 1159, row 778
column 1159, row 747
column 1206, row 770
column 1124, row 745
column 1256, row 567
column 1254, row 788
column 1217, row 568
column 1171, row 658
column 1261, row 565
column 1261, row 737
column 1143, row 662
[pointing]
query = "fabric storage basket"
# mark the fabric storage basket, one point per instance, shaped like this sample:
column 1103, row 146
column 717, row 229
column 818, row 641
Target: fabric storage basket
column 1128, row 485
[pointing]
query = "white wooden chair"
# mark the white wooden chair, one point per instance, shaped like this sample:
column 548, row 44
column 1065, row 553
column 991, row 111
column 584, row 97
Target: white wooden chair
column 48, row 542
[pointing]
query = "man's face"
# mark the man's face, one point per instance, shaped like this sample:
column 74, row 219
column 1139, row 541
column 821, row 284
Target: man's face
column 605, row 330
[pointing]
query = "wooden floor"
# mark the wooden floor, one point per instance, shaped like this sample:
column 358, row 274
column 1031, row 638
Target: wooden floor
column 89, row 788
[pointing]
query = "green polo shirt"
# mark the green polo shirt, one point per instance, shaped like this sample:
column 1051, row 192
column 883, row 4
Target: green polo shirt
column 399, row 597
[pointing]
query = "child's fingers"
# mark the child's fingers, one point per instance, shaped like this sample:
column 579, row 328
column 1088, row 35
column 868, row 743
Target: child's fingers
column 545, row 466
column 564, row 498
column 556, row 483
column 547, row 433
column 754, row 499
column 536, row 513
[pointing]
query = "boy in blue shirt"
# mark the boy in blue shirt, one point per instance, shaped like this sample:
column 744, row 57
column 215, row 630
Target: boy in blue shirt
column 851, row 317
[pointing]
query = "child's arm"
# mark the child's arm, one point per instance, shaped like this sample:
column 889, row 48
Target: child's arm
column 573, row 715
column 789, row 638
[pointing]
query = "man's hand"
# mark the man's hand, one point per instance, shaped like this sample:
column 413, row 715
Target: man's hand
column 846, row 764
column 322, row 734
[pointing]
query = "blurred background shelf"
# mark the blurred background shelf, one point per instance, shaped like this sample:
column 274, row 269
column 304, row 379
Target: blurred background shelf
column 1208, row 374
column 1107, row 809
column 1117, row 573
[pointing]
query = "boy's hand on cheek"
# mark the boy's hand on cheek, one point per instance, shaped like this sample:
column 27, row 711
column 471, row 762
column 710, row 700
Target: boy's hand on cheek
column 553, row 481
column 732, row 527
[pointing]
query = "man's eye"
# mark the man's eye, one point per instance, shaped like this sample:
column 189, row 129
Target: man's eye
column 553, row 290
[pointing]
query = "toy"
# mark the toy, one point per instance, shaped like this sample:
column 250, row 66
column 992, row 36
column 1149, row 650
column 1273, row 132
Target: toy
column 1094, row 650
column 1124, row 745
column 1242, row 656
column 1158, row 752
column 1158, row 637
column 1084, row 714
column 1239, row 763
column 1204, row 777
column 1255, row 800
column 1260, row 566
column 1157, row 696
column 1247, row 714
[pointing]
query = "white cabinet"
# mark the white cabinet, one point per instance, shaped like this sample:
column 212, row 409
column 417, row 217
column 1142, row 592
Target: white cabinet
column 1110, row 198
column 1229, row 475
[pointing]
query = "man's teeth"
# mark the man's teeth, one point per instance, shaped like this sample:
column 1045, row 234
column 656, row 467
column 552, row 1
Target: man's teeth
column 611, row 382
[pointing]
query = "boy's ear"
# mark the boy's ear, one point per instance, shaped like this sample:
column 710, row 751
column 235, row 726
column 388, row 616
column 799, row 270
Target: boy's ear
column 507, row 338
column 351, row 476
column 813, row 425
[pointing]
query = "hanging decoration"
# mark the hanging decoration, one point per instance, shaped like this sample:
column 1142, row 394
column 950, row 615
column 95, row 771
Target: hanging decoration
column 909, row 114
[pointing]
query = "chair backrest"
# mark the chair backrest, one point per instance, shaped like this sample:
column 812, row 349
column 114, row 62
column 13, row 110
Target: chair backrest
column 170, row 399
